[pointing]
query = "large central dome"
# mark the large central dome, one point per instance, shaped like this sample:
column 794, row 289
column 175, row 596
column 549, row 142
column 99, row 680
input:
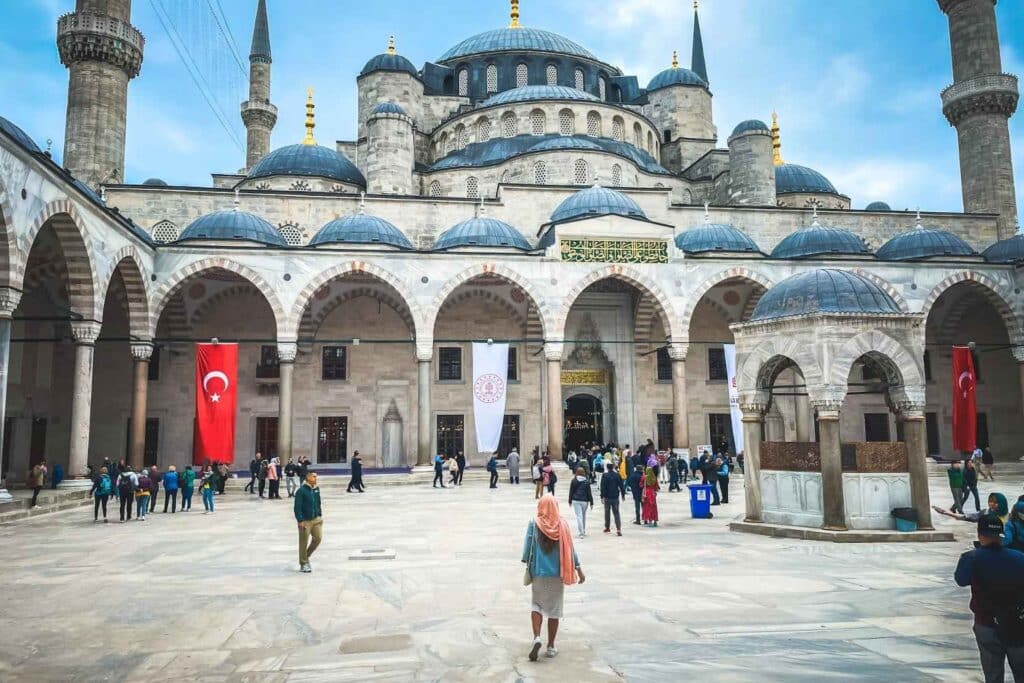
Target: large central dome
column 516, row 40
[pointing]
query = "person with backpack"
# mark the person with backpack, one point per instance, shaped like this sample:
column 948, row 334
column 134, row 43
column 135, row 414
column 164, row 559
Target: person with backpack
column 723, row 478
column 187, row 483
column 612, row 487
column 127, row 482
column 143, row 492
column 171, row 489
column 537, row 476
column 439, row 470
column 291, row 477
column 996, row 577
column 1013, row 530
column 581, row 497
column 492, row 468
column 548, row 474
column 672, row 465
column 209, row 485
column 101, row 490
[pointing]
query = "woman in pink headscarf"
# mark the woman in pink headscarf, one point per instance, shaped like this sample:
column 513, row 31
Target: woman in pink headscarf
column 552, row 565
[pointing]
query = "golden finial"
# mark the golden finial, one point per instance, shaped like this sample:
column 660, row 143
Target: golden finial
column 515, row 15
column 675, row 59
column 391, row 45
column 310, row 120
column 776, row 141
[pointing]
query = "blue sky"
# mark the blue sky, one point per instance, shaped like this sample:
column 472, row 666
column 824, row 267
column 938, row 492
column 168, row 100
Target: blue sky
column 856, row 82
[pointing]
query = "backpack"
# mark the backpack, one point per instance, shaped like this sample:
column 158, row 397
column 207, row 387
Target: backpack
column 103, row 488
column 552, row 477
column 263, row 469
column 124, row 484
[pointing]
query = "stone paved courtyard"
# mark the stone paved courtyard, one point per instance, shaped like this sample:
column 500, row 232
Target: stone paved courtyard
column 218, row 598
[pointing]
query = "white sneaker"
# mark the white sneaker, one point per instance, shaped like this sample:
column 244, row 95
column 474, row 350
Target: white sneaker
column 551, row 652
column 535, row 649
column 306, row 569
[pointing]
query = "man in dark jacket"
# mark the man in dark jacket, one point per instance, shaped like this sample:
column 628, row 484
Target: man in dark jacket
column 460, row 460
column 309, row 515
column 996, row 577
column 357, row 474
column 261, row 476
column 254, row 470
column 612, row 487
column 492, row 468
column 633, row 482
column 155, row 477
column 710, row 471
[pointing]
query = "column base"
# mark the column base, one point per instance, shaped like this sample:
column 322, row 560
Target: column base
column 829, row 527
column 5, row 496
column 76, row 484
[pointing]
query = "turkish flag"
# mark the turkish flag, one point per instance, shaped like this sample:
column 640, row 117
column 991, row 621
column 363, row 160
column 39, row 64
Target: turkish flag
column 216, row 390
column 965, row 410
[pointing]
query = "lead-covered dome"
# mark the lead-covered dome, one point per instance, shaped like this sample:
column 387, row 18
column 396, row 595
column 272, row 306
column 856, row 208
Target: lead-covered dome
column 921, row 243
column 388, row 108
column 481, row 232
column 793, row 178
column 20, row 136
column 675, row 76
column 825, row 290
column 712, row 237
column 360, row 228
column 389, row 62
column 597, row 201
column 308, row 160
column 233, row 225
column 819, row 240
column 750, row 125
column 1010, row 250
column 519, row 39
column 878, row 206
column 530, row 93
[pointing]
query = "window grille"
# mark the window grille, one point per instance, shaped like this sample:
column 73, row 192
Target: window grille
column 616, row 175
column 537, row 122
column 540, row 173
column 594, row 124
column 579, row 79
column 618, row 132
column 565, row 122
column 552, row 74
column 435, row 189
column 165, row 231
column 483, row 130
column 291, row 234
column 463, row 82
column 580, row 172
column 492, row 78
column 472, row 187
column 602, row 87
column 521, row 76
column 508, row 125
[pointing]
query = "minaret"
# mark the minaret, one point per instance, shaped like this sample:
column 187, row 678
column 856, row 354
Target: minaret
column 697, row 64
column 776, row 141
column 258, row 114
column 979, row 104
column 102, row 52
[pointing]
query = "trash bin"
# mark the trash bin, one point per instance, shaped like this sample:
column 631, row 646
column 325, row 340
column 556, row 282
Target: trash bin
column 906, row 519
column 700, row 500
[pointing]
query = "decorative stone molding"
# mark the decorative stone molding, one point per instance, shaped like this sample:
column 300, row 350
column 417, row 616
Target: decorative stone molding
column 912, row 395
column 553, row 349
column 9, row 300
column 425, row 350
column 754, row 404
column 286, row 352
column 85, row 36
column 85, row 331
column 992, row 94
column 259, row 114
column 677, row 351
column 142, row 352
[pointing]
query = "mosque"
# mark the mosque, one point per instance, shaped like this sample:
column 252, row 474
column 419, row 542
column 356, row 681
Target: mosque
column 517, row 188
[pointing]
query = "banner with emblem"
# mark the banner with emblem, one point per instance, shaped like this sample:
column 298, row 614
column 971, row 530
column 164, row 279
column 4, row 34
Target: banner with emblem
column 734, row 397
column 216, row 382
column 490, row 385
column 965, row 410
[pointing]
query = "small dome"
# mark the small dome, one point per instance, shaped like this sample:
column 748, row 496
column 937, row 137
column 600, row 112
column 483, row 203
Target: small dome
column 1010, row 250
column 388, row 108
column 749, row 125
column 597, row 201
column 360, row 228
column 792, row 178
column 154, row 182
column 675, row 76
column 824, row 290
column 819, row 240
column 481, row 232
column 389, row 62
column 921, row 243
column 531, row 93
column 20, row 136
column 308, row 160
column 565, row 142
column 519, row 39
column 233, row 225
column 715, row 237
column 878, row 206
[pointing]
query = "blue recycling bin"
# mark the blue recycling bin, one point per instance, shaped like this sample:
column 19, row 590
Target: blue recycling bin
column 700, row 500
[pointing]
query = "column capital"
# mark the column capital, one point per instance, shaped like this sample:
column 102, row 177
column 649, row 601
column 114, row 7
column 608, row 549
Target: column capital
column 287, row 351
column 9, row 300
column 424, row 350
column 910, row 412
column 827, row 409
column 142, row 351
column 553, row 349
column 85, row 331
column 678, row 351
column 754, row 403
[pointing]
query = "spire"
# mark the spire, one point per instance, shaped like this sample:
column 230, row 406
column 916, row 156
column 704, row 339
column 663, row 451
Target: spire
column 391, row 45
column 514, row 15
column 310, row 120
column 814, row 216
column 675, row 59
column 697, row 64
column 260, row 35
column 776, row 141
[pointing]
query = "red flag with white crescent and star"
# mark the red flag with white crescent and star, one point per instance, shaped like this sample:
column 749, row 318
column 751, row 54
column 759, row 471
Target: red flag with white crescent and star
column 216, row 375
column 965, row 410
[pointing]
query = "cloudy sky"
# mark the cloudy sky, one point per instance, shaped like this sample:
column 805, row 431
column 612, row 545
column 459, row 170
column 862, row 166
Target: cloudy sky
column 856, row 82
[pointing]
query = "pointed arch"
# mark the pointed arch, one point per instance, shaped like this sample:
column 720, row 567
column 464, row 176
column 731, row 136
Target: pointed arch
column 758, row 368
column 670, row 319
column 701, row 290
column 496, row 270
column 901, row 365
column 9, row 256
column 68, row 225
column 128, row 262
column 998, row 295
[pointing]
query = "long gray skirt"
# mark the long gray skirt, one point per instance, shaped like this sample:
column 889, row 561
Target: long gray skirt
column 548, row 594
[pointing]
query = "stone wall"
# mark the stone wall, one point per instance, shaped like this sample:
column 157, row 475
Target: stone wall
column 389, row 155
column 751, row 171
column 399, row 87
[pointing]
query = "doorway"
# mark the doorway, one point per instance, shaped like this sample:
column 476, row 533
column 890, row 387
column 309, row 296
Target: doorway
column 583, row 421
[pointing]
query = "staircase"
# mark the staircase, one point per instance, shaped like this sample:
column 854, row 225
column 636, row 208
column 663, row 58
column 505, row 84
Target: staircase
column 49, row 501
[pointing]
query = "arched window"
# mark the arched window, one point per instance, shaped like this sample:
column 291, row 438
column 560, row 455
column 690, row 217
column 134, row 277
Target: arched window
column 442, row 145
column 450, row 145
column 472, row 187
column 492, row 78
column 508, row 125
column 580, row 172
column 602, row 87
column 552, row 74
column 540, row 173
column 618, row 129
column 650, row 142
column 594, row 124
column 638, row 136
column 616, row 175
column 460, row 136
column 435, row 189
column 164, row 231
column 504, row 177
column 483, row 130
column 291, row 234
column 566, row 122
column 538, row 122
column 521, row 76
column 579, row 79
column 463, row 82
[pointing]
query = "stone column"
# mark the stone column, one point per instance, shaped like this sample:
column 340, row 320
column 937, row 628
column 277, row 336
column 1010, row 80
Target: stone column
column 141, row 353
column 1018, row 355
column 85, row 334
column 9, row 300
column 753, row 422
column 286, row 352
column 680, row 423
column 915, row 436
column 831, row 466
column 424, row 356
column 556, row 418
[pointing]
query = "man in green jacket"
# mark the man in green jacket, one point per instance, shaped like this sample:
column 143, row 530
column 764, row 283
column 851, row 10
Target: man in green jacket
column 308, row 514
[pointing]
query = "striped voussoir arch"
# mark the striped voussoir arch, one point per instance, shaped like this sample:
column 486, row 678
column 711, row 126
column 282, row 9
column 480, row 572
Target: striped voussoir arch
column 309, row 327
column 505, row 273
column 998, row 295
column 9, row 256
column 128, row 263
column 737, row 273
column 63, row 217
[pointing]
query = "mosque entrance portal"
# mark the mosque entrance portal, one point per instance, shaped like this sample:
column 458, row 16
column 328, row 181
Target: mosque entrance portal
column 584, row 421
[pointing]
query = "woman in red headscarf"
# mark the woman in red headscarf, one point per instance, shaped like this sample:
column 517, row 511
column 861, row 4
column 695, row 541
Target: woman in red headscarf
column 649, row 506
column 552, row 565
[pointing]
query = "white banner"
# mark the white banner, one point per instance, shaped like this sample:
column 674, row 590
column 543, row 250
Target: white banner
column 490, row 385
column 734, row 397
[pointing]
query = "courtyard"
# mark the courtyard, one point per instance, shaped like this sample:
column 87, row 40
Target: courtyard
column 218, row 597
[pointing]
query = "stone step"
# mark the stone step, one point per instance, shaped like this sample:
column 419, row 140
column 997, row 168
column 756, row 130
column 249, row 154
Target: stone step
column 56, row 501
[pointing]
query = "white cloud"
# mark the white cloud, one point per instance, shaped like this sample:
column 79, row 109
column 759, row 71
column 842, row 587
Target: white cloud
column 900, row 182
